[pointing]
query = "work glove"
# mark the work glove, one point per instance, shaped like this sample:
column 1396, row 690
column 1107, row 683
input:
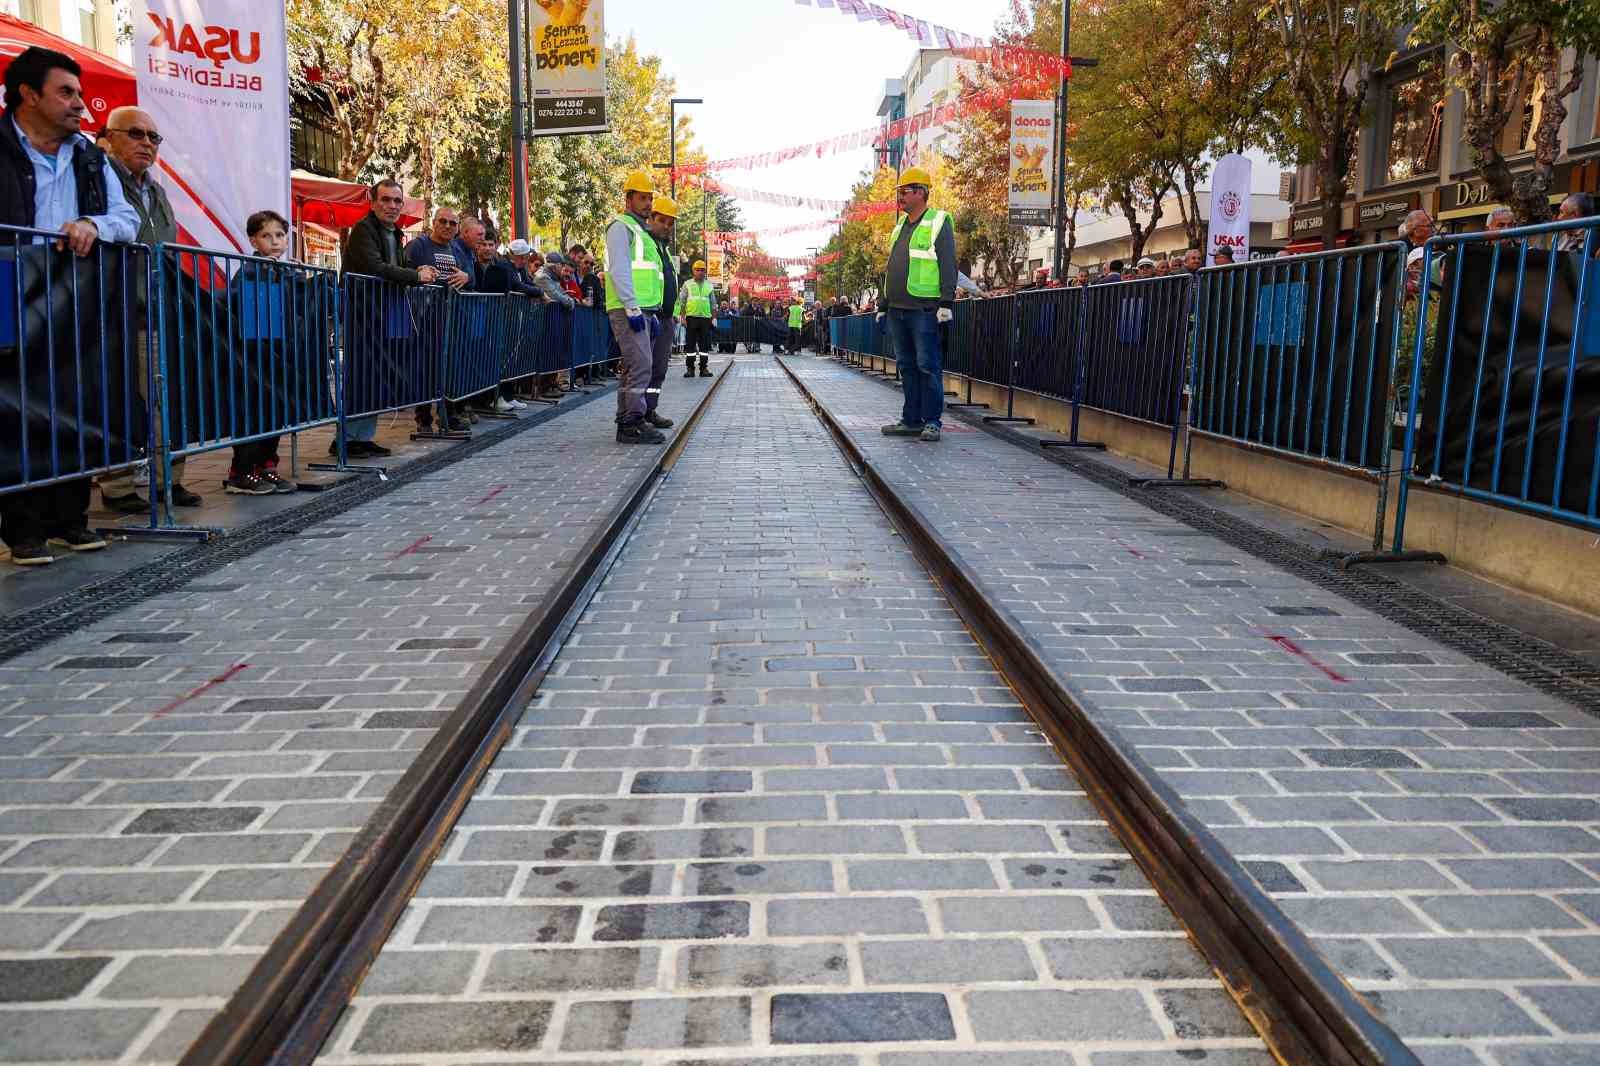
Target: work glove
column 655, row 327
column 881, row 317
column 636, row 321
column 944, row 314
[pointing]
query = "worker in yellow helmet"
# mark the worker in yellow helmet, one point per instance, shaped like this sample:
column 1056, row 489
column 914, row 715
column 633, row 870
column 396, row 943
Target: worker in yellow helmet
column 663, row 216
column 919, row 293
column 635, row 280
column 695, row 304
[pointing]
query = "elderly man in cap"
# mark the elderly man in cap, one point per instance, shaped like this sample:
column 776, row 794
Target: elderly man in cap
column 695, row 302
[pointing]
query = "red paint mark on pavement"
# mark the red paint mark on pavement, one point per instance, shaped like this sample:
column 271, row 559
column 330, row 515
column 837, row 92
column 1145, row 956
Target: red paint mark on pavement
column 1130, row 549
column 408, row 550
column 201, row 689
column 1294, row 649
column 497, row 490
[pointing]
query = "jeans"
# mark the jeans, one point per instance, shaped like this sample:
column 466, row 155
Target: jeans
column 919, row 357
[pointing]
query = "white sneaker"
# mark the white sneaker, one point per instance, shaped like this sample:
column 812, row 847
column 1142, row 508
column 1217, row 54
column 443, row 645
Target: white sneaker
column 519, row 405
column 501, row 406
column 141, row 474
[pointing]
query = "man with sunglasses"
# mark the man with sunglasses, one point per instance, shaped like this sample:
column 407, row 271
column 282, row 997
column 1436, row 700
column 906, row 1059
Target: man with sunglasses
column 132, row 144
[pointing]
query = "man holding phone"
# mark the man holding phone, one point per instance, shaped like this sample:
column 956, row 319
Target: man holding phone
column 439, row 249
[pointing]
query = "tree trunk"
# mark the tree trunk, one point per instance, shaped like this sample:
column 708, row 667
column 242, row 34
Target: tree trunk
column 1191, row 216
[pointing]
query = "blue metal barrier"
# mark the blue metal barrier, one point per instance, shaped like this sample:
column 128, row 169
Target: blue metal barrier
column 78, row 360
column 1504, row 384
column 393, row 346
column 481, row 334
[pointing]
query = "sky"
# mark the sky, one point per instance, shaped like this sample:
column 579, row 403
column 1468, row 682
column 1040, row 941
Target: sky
column 775, row 74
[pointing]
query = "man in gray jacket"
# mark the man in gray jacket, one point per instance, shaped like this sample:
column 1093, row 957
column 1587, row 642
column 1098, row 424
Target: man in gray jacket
column 132, row 144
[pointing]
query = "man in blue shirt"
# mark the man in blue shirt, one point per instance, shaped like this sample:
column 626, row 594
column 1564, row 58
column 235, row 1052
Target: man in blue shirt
column 52, row 178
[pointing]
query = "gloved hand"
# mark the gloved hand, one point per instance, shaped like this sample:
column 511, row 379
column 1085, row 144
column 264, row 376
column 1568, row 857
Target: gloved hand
column 944, row 314
column 636, row 321
column 655, row 326
column 881, row 316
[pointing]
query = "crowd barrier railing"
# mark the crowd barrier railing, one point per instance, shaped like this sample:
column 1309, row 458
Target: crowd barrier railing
column 1503, row 386
column 78, row 360
column 131, row 356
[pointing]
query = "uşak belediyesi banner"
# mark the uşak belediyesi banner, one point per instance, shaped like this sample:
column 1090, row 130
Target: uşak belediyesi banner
column 205, row 66
column 1033, row 128
column 569, row 67
column 1230, row 208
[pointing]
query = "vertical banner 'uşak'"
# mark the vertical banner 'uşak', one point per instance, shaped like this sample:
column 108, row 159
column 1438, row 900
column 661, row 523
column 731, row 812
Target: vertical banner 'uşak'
column 1033, row 139
column 569, row 67
column 205, row 67
column 1230, row 208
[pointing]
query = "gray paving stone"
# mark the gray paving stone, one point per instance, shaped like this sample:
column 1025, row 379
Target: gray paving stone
column 762, row 965
column 1202, row 1013
column 951, row 962
column 1112, row 959
column 918, row 874
column 757, row 878
column 673, row 921
column 522, row 923
column 571, row 970
column 1492, row 913
column 156, row 930
column 419, row 973
column 42, row 980
column 844, row 916
column 1455, row 1012
column 423, row 1028
column 165, row 977
column 1060, row 1015
column 657, row 1023
column 1485, row 958
column 861, row 1017
column 70, row 1035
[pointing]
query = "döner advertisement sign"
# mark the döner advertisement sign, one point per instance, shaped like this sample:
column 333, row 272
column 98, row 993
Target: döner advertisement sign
column 569, row 67
column 1033, row 138
column 209, row 65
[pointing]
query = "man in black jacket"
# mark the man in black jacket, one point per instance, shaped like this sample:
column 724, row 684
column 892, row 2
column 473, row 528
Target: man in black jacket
column 376, row 248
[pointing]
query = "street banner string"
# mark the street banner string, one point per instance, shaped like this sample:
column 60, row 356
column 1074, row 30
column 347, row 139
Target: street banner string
column 1024, row 62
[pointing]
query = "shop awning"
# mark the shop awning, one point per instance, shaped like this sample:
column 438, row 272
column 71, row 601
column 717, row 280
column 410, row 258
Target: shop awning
column 340, row 204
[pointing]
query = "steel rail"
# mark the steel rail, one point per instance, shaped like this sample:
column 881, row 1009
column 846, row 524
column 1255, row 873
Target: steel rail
column 293, row 997
column 1302, row 1009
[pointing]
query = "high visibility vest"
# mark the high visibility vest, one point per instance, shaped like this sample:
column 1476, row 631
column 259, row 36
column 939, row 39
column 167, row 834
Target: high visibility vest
column 698, row 304
column 797, row 316
column 645, row 269
column 922, row 278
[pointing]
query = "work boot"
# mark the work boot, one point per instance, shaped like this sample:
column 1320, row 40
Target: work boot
column 688, row 365
column 638, row 433
column 705, row 366
column 900, row 429
column 658, row 420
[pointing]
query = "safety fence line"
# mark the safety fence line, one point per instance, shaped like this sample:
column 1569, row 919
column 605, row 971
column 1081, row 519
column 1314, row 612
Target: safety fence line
column 1471, row 365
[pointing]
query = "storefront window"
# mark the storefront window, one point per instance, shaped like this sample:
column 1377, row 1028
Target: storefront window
column 1416, row 116
column 1527, row 104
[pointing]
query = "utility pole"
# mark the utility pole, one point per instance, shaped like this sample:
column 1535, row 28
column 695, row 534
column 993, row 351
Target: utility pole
column 519, row 132
column 1061, row 147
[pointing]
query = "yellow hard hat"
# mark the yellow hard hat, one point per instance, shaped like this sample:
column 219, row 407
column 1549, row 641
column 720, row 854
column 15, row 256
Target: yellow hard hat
column 638, row 181
column 699, row 264
column 665, row 205
column 915, row 176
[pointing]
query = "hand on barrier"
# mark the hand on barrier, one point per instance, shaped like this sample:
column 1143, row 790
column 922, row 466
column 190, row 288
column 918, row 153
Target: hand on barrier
column 81, row 236
column 636, row 321
column 944, row 314
column 427, row 275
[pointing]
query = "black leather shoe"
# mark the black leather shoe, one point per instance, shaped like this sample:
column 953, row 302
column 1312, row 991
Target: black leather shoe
column 182, row 497
column 130, row 504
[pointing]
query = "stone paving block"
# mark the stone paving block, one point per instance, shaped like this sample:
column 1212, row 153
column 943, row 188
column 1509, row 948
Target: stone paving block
column 657, row 1023
column 844, row 916
column 522, row 923
column 692, row 920
column 757, row 878
column 861, row 1017
column 1456, row 1012
column 571, row 970
column 711, row 966
column 952, row 962
column 43, row 980
column 424, row 1028
column 153, row 930
column 70, row 1035
column 1060, row 1015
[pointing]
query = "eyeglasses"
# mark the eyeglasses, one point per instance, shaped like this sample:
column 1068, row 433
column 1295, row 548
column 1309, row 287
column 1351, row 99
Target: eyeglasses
column 138, row 134
column 446, row 222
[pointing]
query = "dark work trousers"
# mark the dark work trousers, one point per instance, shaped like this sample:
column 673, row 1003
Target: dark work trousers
column 43, row 512
column 697, row 336
column 661, row 354
column 794, row 339
column 636, row 366
column 255, row 455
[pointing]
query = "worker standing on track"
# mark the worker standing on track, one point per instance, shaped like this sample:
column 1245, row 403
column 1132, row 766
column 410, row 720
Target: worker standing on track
column 919, row 289
column 635, row 280
column 797, row 323
column 663, row 216
column 694, row 304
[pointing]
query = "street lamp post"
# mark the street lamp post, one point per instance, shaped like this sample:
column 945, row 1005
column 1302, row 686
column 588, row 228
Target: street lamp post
column 1061, row 148
column 519, row 135
column 672, row 137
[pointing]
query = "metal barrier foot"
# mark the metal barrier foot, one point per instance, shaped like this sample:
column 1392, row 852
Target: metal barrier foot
column 433, row 434
column 1095, row 445
column 192, row 534
column 1176, row 483
column 1345, row 561
column 1008, row 418
column 982, row 405
column 382, row 472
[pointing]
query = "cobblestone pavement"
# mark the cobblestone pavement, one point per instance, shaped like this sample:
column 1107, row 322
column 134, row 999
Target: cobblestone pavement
column 773, row 806
column 1432, row 822
column 176, row 778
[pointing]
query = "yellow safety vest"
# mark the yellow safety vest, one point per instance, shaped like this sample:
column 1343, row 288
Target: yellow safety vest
column 698, row 304
column 797, row 316
column 645, row 268
column 922, row 279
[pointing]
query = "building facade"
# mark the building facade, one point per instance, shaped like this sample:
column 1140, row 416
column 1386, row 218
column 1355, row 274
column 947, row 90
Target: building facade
column 1412, row 153
column 932, row 79
column 91, row 23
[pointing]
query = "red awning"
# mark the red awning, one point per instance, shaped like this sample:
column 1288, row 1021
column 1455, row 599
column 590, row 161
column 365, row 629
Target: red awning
column 108, row 85
column 1314, row 244
column 340, row 204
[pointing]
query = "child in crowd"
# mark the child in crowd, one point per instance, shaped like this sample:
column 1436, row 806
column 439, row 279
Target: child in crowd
column 254, row 471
